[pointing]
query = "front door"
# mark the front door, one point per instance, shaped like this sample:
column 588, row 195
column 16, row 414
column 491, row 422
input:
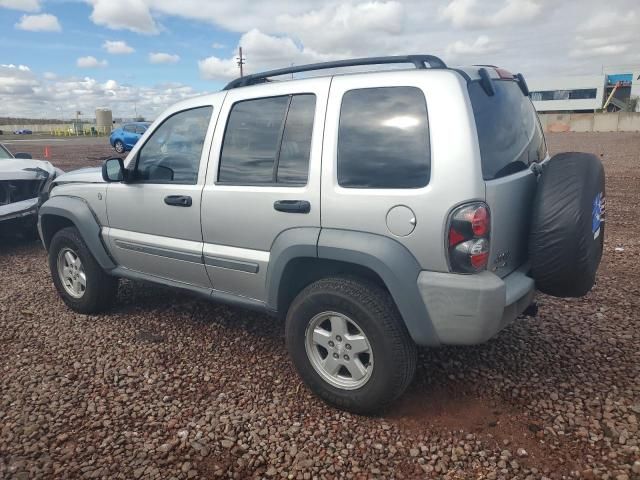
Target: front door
column 154, row 218
column 263, row 179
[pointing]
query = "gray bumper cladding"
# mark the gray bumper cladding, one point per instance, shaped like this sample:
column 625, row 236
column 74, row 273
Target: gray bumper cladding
column 470, row 309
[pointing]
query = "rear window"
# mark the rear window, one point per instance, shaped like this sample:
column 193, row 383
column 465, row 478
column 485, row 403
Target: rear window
column 509, row 132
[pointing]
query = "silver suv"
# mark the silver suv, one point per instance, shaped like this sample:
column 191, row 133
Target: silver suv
column 376, row 211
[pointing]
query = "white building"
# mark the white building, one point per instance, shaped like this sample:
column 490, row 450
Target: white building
column 585, row 93
column 568, row 94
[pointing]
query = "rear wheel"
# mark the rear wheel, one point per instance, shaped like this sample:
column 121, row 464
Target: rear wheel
column 80, row 281
column 349, row 344
column 119, row 146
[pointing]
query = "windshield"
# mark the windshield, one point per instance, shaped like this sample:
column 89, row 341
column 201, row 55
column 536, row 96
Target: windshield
column 509, row 132
column 4, row 153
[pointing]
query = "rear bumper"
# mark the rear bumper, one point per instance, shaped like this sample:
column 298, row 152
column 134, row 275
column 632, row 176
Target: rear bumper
column 470, row 309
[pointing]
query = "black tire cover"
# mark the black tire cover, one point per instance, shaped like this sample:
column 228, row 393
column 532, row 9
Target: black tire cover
column 567, row 228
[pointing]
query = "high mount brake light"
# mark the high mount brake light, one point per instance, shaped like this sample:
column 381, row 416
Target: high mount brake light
column 468, row 238
column 505, row 74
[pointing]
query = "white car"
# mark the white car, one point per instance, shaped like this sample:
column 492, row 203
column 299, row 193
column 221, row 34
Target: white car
column 24, row 186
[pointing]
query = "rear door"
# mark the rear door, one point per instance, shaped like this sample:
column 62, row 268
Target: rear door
column 510, row 139
column 263, row 179
column 393, row 141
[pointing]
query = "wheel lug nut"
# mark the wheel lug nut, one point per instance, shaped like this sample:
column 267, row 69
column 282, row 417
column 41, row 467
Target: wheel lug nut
column 331, row 344
column 335, row 355
column 346, row 357
column 338, row 338
column 348, row 346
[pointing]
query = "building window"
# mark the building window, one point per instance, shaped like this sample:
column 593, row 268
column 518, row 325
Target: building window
column 583, row 93
column 576, row 94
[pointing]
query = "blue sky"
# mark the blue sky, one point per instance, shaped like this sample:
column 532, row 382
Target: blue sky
column 54, row 60
column 58, row 51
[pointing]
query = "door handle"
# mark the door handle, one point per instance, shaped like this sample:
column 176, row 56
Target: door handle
column 178, row 200
column 292, row 206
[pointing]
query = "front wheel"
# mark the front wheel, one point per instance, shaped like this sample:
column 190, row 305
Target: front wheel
column 349, row 344
column 79, row 279
column 119, row 146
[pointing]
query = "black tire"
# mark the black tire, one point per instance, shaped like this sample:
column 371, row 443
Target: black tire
column 567, row 230
column 372, row 308
column 119, row 146
column 101, row 288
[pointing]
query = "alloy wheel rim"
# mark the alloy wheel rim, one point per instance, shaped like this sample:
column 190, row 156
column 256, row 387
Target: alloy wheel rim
column 71, row 273
column 339, row 350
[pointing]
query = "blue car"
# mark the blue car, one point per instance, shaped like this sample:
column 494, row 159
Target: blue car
column 124, row 138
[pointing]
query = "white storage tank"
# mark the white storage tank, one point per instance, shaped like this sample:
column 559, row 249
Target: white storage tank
column 104, row 120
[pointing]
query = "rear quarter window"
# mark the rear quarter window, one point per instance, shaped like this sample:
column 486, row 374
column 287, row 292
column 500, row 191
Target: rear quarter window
column 383, row 139
column 509, row 133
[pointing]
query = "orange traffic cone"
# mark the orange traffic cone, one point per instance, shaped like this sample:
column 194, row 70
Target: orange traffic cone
column 47, row 152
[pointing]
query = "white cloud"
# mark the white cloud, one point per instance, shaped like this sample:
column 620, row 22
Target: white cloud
column 475, row 14
column 161, row 57
column 601, row 51
column 50, row 76
column 24, row 5
column 131, row 15
column 608, row 19
column 608, row 34
column 117, row 47
column 345, row 27
column 481, row 46
column 43, row 22
column 266, row 51
column 24, row 94
column 214, row 68
column 90, row 62
column 217, row 45
column 16, row 80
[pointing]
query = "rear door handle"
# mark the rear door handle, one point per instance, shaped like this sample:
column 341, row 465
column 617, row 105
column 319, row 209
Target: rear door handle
column 292, row 206
column 178, row 200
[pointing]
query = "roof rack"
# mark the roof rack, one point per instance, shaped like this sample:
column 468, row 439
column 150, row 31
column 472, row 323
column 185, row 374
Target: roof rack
column 419, row 61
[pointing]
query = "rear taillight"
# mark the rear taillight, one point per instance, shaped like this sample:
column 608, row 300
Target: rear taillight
column 468, row 238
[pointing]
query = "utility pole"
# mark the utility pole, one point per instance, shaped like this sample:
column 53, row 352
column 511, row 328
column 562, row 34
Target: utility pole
column 241, row 60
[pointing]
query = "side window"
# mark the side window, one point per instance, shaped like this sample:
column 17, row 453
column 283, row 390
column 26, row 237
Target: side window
column 140, row 129
column 172, row 153
column 129, row 128
column 268, row 141
column 383, row 139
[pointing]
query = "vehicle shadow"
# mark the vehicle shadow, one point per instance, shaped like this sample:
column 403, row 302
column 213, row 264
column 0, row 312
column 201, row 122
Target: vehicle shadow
column 14, row 244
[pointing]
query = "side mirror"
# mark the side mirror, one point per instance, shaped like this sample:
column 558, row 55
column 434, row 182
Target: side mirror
column 23, row 155
column 113, row 170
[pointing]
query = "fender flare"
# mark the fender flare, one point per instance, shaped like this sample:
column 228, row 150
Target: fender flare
column 394, row 264
column 78, row 212
column 389, row 259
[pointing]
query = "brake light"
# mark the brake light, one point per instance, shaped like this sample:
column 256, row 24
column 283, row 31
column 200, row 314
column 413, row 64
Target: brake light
column 504, row 74
column 468, row 238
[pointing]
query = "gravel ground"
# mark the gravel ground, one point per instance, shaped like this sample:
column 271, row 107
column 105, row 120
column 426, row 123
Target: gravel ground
column 167, row 386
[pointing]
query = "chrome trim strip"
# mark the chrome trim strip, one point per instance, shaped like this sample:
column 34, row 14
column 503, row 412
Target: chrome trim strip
column 231, row 264
column 161, row 252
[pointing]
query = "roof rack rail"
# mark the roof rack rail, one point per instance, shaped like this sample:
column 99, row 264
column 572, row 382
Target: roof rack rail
column 419, row 61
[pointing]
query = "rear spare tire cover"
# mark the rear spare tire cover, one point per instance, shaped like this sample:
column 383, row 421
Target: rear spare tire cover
column 567, row 229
